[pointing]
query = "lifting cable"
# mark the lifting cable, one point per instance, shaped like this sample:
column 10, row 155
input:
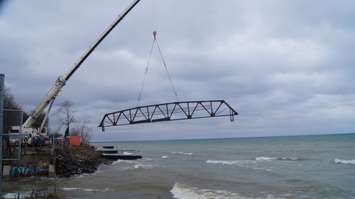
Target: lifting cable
column 156, row 43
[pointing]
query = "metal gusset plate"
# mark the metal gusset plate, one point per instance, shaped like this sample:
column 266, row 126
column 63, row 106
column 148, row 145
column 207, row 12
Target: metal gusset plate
column 172, row 111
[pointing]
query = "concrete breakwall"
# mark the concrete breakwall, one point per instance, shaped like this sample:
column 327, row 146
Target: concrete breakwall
column 15, row 171
column 28, row 170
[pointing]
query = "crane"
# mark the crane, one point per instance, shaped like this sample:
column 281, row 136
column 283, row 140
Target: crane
column 62, row 80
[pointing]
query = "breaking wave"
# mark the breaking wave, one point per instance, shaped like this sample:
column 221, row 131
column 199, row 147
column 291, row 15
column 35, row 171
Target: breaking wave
column 250, row 164
column 123, row 161
column 130, row 164
column 226, row 162
column 340, row 161
column 257, row 159
column 143, row 166
column 181, row 191
column 164, row 156
column 265, row 158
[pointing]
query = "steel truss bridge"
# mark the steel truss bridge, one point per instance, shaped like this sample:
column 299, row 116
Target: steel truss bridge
column 173, row 111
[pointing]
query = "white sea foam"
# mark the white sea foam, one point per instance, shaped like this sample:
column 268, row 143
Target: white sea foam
column 257, row 159
column 143, row 166
column 181, row 191
column 226, row 162
column 84, row 189
column 250, row 164
column 130, row 164
column 164, row 157
column 340, row 161
column 182, row 153
column 264, row 158
column 290, row 158
column 123, row 161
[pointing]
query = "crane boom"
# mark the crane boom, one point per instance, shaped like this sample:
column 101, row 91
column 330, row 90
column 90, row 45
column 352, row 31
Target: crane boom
column 61, row 81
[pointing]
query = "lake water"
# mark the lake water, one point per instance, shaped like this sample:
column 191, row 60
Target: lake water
column 273, row 167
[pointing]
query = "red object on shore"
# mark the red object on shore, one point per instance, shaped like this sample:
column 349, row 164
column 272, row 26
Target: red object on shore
column 75, row 140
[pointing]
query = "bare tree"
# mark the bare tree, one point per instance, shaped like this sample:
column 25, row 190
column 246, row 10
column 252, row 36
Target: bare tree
column 74, row 126
column 67, row 114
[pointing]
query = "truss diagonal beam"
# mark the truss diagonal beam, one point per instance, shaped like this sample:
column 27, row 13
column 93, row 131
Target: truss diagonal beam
column 180, row 110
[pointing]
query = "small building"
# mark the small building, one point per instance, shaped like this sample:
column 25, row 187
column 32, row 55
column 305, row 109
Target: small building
column 74, row 140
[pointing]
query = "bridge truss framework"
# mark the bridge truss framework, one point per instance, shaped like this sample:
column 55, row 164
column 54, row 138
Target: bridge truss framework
column 172, row 111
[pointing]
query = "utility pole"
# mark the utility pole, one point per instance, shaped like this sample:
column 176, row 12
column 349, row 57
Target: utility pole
column 2, row 90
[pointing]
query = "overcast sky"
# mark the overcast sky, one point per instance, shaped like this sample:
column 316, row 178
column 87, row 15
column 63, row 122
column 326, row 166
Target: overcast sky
column 286, row 66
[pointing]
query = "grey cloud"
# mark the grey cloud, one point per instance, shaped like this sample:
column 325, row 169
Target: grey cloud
column 286, row 65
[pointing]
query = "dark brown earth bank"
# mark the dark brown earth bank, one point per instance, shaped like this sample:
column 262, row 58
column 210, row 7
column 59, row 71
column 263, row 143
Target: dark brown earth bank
column 71, row 160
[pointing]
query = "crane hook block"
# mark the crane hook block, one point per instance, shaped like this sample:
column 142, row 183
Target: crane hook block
column 155, row 34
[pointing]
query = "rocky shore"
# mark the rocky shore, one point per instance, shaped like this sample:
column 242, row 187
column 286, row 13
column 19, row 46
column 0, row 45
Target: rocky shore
column 71, row 160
